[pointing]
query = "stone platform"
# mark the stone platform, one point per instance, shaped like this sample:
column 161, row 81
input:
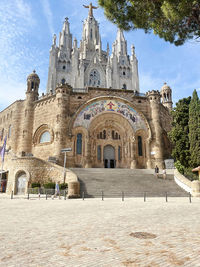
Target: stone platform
column 95, row 233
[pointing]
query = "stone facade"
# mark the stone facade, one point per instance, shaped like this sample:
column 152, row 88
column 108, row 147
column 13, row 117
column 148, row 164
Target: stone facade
column 103, row 124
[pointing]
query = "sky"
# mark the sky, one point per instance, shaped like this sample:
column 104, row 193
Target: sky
column 27, row 28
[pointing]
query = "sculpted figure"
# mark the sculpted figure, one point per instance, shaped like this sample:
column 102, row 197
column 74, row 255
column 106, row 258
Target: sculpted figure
column 91, row 7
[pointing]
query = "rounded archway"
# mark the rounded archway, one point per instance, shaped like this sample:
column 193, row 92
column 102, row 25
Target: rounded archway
column 21, row 183
column 109, row 156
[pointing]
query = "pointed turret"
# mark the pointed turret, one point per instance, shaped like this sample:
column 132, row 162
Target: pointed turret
column 65, row 42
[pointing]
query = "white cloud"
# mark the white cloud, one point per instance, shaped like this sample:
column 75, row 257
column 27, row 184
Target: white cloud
column 48, row 14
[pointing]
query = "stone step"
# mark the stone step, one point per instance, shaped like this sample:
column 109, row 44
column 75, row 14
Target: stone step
column 132, row 182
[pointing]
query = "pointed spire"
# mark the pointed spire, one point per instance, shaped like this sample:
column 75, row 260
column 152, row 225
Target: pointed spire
column 108, row 49
column 75, row 43
column 66, row 26
column 54, row 40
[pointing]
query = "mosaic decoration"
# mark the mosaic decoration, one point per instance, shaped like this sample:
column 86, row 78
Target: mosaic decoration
column 87, row 114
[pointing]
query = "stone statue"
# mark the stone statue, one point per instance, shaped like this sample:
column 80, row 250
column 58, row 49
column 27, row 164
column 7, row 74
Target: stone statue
column 54, row 39
column 91, row 7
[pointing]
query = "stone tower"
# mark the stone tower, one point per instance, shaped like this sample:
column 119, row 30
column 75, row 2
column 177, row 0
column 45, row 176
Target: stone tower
column 154, row 100
column 33, row 82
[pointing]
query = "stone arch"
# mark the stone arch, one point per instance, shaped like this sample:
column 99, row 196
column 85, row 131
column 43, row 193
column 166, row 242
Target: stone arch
column 126, row 102
column 22, row 178
column 40, row 131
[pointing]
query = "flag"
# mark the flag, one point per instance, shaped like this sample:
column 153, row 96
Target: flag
column 3, row 149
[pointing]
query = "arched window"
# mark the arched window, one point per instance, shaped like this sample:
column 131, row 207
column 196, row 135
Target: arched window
column 124, row 86
column 94, row 78
column 63, row 81
column 104, row 134
column 9, row 131
column 101, row 137
column 140, row 145
column 113, row 134
column 91, row 33
column 99, row 153
column 45, row 137
column 79, row 144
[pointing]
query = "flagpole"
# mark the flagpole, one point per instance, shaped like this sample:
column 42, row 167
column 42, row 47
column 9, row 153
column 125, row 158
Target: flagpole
column 1, row 175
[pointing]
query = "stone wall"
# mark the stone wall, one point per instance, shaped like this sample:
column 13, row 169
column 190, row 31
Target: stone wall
column 36, row 170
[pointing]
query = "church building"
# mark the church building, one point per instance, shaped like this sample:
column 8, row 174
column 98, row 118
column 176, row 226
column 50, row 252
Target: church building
column 93, row 105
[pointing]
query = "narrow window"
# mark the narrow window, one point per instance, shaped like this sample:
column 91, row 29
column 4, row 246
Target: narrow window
column 2, row 133
column 113, row 134
column 9, row 131
column 124, row 86
column 119, row 152
column 91, row 33
column 79, row 144
column 140, row 145
column 63, row 81
column 104, row 134
column 99, row 153
column 101, row 137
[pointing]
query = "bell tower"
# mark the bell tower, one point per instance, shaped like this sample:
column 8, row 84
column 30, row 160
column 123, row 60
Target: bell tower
column 166, row 94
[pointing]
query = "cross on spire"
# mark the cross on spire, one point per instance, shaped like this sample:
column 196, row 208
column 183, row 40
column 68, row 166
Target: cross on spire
column 91, row 7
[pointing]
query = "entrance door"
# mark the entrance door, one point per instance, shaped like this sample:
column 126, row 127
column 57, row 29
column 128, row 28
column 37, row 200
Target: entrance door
column 21, row 184
column 109, row 156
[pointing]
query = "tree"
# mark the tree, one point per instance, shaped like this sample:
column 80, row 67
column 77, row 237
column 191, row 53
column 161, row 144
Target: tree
column 173, row 20
column 179, row 132
column 194, row 130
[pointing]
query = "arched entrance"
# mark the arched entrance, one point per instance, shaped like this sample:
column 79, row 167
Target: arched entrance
column 109, row 156
column 21, row 183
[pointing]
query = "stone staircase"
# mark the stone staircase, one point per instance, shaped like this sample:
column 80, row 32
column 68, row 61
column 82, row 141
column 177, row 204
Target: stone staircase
column 132, row 182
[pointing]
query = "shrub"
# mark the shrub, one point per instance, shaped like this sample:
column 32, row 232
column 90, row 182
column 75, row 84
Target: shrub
column 63, row 186
column 190, row 175
column 179, row 166
column 33, row 185
column 49, row 185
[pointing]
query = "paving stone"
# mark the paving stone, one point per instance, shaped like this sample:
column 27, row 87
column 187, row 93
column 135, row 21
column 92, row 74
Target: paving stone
column 100, row 233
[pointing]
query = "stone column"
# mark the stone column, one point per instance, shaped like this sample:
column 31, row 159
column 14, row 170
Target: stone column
column 148, row 154
column 61, row 113
column 27, row 127
column 154, row 99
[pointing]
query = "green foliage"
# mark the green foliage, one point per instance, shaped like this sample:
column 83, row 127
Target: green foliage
column 173, row 20
column 63, row 186
column 179, row 166
column 50, row 185
column 35, row 185
column 179, row 132
column 194, row 130
column 190, row 175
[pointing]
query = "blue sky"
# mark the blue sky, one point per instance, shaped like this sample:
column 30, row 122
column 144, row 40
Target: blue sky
column 26, row 30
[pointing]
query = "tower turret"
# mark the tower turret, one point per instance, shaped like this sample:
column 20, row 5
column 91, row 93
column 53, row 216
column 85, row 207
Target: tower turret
column 154, row 99
column 166, row 94
column 33, row 82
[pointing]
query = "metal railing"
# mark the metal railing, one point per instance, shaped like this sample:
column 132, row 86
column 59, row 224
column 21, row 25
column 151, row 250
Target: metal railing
column 45, row 193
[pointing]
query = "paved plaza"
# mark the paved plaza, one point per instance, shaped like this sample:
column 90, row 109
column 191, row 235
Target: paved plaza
column 95, row 233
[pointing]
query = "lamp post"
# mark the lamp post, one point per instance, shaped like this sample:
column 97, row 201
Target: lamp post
column 65, row 150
